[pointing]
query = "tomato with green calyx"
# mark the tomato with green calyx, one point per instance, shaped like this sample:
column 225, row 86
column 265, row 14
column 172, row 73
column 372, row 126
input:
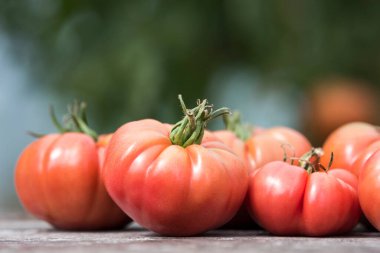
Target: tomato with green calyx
column 303, row 200
column 256, row 147
column 175, row 180
column 58, row 178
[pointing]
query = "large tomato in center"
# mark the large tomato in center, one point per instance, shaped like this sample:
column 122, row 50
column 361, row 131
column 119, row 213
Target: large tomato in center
column 176, row 181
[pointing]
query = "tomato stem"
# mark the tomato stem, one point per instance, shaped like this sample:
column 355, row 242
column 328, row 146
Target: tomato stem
column 77, row 112
column 331, row 160
column 74, row 121
column 190, row 129
column 285, row 157
column 233, row 123
column 311, row 160
column 55, row 121
column 35, row 135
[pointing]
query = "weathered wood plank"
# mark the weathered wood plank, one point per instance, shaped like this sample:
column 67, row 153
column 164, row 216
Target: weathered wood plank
column 24, row 234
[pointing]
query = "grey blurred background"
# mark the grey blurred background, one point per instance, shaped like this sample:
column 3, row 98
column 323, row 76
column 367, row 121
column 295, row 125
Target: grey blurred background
column 311, row 65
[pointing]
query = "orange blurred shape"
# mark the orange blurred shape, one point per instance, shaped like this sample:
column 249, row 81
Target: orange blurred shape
column 333, row 102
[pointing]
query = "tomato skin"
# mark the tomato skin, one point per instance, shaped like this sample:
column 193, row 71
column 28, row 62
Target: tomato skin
column 169, row 189
column 364, row 156
column 242, row 219
column 368, row 189
column 58, row 179
column 266, row 145
column 233, row 142
column 285, row 200
column 347, row 143
column 269, row 145
column 102, row 145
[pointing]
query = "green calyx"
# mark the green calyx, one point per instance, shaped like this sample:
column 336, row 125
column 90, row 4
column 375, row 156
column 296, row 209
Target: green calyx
column 74, row 121
column 190, row 129
column 233, row 124
column 311, row 161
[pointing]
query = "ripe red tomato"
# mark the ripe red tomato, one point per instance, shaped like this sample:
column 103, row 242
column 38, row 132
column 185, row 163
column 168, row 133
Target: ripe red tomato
column 352, row 144
column 58, row 179
column 286, row 200
column 369, row 188
column 171, row 188
column 256, row 148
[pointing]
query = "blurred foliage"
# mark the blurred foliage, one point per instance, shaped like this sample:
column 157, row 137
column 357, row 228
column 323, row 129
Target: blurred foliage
column 130, row 59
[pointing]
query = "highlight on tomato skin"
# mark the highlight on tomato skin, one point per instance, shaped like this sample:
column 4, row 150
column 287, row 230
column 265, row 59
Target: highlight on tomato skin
column 177, row 181
column 301, row 200
column 58, row 179
column 351, row 145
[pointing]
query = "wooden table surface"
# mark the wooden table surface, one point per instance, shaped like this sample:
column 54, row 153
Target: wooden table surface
column 25, row 234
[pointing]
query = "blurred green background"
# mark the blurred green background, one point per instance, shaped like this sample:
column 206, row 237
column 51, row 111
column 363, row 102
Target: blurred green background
column 275, row 61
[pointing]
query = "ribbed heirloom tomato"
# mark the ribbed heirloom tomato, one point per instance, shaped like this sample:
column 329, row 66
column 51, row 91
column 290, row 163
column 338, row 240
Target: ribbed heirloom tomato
column 258, row 147
column 173, row 180
column 301, row 200
column 58, row 179
column 357, row 146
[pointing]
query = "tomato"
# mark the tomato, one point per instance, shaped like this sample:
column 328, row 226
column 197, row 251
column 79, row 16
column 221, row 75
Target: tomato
column 171, row 180
column 348, row 143
column 288, row 200
column 333, row 102
column 58, row 179
column 258, row 147
column 369, row 188
column 353, row 145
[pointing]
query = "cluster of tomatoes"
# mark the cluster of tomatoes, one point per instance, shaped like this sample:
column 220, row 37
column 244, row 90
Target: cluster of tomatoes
column 181, row 180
